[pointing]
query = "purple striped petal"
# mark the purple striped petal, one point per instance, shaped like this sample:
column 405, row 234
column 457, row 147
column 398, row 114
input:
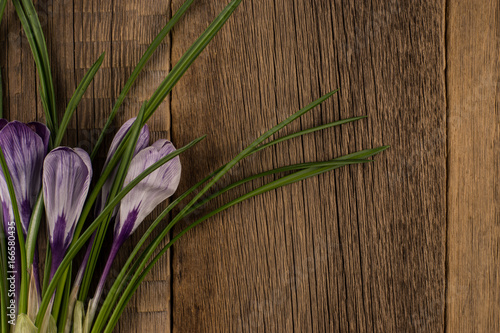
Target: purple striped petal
column 66, row 179
column 24, row 152
column 42, row 131
column 151, row 191
column 142, row 142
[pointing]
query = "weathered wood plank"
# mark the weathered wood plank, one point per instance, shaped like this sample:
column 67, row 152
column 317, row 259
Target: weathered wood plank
column 20, row 90
column 473, row 74
column 360, row 249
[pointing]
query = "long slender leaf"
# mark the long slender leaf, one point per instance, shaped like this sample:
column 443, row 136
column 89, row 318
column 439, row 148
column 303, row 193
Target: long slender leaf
column 137, row 70
column 32, row 235
column 32, row 27
column 79, row 242
column 214, row 177
column 76, row 98
column 189, row 57
column 307, row 131
column 3, row 4
column 1, row 94
column 138, row 277
column 119, row 284
column 65, row 304
column 117, row 185
column 3, row 282
column 23, row 293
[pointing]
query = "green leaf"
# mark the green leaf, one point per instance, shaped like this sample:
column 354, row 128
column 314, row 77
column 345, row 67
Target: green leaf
column 3, row 283
column 76, row 98
column 23, row 293
column 1, row 94
column 63, row 312
column 307, row 131
column 117, row 185
column 189, row 57
column 294, row 167
column 149, row 52
column 32, row 236
column 139, row 276
column 3, row 4
column 31, row 25
column 215, row 176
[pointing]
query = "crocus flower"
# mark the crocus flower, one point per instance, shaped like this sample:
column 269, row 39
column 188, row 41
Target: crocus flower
column 151, row 191
column 24, row 147
column 141, row 200
column 142, row 142
column 66, row 178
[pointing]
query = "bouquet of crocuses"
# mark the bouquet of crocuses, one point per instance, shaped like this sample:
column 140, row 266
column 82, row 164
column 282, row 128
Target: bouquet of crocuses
column 45, row 184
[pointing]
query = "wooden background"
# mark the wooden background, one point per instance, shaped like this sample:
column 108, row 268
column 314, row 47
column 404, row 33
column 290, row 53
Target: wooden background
column 407, row 244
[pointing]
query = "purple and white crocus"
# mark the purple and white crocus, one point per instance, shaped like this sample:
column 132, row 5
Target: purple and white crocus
column 24, row 147
column 141, row 200
column 66, row 179
column 150, row 192
column 142, row 142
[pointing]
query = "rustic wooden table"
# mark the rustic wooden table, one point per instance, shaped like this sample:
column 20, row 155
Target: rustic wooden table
column 409, row 243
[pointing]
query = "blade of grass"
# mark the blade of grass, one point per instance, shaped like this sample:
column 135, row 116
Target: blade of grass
column 3, row 282
column 1, row 94
column 78, row 243
column 64, row 306
column 117, row 185
column 76, row 98
column 307, row 131
column 31, row 25
column 189, row 57
column 46, row 273
column 139, row 276
column 32, row 235
column 58, row 298
column 137, row 70
column 117, row 285
column 23, row 292
column 292, row 167
column 248, row 151
column 3, row 4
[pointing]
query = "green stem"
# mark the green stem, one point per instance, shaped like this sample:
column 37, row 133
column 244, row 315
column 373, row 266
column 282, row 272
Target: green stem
column 23, row 293
column 76, row 98
column 117, row 185
column 4, row 301
column 32, row 235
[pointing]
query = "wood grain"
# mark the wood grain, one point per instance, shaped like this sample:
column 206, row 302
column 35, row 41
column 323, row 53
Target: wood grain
column 473, row 75
column 360, row 249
